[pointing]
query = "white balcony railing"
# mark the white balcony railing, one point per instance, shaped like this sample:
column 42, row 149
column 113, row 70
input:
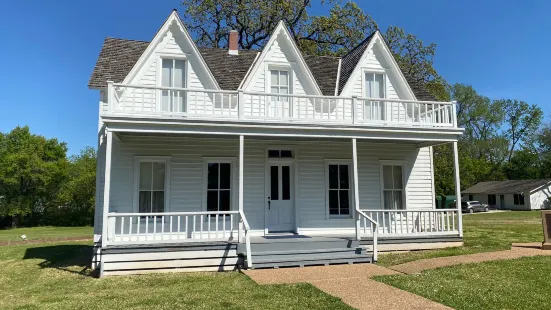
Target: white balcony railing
column 412, row 222
column 130, row 100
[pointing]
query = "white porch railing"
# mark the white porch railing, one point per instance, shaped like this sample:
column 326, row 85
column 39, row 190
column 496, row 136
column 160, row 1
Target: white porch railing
column 143, row 228
column 412, row 222
column 151, row 101
column 374, row 229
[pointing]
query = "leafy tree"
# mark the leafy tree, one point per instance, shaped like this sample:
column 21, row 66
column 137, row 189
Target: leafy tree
column 336, row 33
column 522, row 122
column 32, row 169
column 210, row 22
column 76, row 197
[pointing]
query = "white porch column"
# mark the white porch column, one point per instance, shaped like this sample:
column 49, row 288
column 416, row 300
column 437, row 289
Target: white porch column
column 240, row 198
column 106, row 186
column 457, row 189
column 356, row 192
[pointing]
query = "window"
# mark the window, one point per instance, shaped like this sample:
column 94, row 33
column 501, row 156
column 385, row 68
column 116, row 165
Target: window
column 280, row 154
column 518, row 199
column 375, row 88
column 338, row 189
column 173, row 74
column 218, row 187
column 393, row 187
column 152, row 185
column 492, row 200
column 279, row 84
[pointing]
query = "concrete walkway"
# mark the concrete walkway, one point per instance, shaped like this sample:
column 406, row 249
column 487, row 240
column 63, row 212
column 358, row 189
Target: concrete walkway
column 518, row 250
column 351, row 283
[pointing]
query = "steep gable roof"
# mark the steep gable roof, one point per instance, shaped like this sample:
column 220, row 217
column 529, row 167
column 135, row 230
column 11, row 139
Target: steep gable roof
column 118, row 56
column 505, row 187
column 324, row 69
column 350, row 61
column 281, row 29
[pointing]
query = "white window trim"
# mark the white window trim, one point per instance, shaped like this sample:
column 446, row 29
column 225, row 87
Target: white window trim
column 158, row 75
column 385, row 86
column 234, row 180
column 281, row 67
column 350, row 190
column 159, row 159
column 382, row 184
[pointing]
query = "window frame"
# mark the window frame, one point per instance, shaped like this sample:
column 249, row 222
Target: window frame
column 233, row 180
column 517, row 201
column 494, row 196
column 278, row 67
column 159, row 78
column 350, row 189
column 151, row 159
column 401, row 163
column 385, row 88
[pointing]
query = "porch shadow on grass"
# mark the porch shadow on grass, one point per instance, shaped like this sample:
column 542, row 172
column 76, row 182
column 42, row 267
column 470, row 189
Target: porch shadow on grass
column 62, row 257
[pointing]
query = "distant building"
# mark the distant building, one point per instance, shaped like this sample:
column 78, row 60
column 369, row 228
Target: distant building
column 511, row 194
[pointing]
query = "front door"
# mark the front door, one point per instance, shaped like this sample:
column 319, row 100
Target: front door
column 502, row 201
column 280, row 199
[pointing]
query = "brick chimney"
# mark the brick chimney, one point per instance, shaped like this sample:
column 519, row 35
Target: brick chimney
column 233, row 49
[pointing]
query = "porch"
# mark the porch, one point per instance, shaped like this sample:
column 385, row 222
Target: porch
column 272, row 185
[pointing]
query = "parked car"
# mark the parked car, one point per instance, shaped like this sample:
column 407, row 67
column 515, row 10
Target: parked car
column 474, row 206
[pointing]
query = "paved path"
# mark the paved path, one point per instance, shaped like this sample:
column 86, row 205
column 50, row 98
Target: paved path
column 351, row 283
column 518, row 250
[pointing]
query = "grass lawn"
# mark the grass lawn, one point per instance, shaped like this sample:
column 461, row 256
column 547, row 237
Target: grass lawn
column 46, row 232
column 523, row 283
column 54, row 276
column 482, row 232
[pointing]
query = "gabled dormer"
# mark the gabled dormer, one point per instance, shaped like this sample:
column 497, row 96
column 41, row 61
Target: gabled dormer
column 172, row 60
column 281, row 68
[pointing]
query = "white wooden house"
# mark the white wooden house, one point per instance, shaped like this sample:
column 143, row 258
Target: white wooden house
column 215, row 159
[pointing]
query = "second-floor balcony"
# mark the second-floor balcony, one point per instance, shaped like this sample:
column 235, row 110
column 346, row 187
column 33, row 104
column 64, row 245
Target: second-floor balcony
column 185, row 103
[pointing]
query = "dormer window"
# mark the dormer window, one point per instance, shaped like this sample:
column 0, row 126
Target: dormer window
column 280, row 83
column 173, row 75
column 374, row 88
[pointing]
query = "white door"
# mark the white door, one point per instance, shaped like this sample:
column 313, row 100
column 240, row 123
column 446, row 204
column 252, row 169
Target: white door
column 280, row 199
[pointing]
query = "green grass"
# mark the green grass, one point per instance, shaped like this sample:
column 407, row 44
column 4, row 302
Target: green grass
column 54, row 276
column 46, row 232
column 523, row 283
column 482, row 232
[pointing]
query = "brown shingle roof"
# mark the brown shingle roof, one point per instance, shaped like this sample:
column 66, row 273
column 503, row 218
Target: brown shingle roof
column 115, row 60
column 505, row 187
column 118, row 56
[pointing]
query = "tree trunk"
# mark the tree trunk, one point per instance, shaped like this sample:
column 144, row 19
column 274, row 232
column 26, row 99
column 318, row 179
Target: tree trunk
column 14, row 221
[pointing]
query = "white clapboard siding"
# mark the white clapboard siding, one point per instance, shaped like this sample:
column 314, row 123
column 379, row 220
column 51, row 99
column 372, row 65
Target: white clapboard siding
column 186, row 183
column 179, row 263
column 169, row 270
column 167, row 255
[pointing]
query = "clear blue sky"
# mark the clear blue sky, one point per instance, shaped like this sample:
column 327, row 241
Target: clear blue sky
column 49, row 48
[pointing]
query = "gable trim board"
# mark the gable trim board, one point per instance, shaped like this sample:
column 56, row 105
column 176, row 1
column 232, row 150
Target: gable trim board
column 377, row 38
column 281, row 29
column 161, row 38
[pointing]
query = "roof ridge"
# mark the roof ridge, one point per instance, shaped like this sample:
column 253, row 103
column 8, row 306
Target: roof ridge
column 121, row 39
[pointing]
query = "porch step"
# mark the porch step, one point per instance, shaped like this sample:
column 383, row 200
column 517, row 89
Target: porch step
column 301, row 258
